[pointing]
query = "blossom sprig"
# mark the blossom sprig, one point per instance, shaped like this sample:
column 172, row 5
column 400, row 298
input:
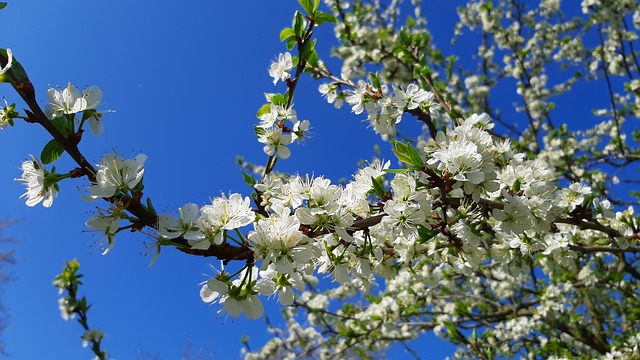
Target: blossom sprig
column 69, row 101
column 68, row 283
column 209, row 225
column 7, row 114
column 107, row 224
column 237, row 296
column 116, row 175
column 42, row 185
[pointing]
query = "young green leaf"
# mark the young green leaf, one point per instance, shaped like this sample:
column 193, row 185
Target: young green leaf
column 375, row 80
column 307, row 5
column 51, row 152
column 265, row 109
column 291, row 43
column 416, row 159
column 248, row 179
column 299, row 24
column 378, row 187
column 455, row 335
column 286, row 33
column 322, row 18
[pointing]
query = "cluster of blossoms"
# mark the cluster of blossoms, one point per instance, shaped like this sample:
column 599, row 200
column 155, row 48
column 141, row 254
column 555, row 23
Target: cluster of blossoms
column 502, row 231
column 210, row 225
column 42, row 185
column 272, row 130
column 384, row 109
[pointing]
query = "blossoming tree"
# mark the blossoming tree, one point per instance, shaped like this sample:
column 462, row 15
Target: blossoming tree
column 508, row 236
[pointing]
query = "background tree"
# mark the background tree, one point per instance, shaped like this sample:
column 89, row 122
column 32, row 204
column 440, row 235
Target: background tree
column 6, row 259
column 507, row 237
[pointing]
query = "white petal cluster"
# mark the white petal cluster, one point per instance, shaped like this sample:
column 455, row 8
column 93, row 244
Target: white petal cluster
column 115, row 175
column 208, row 225
column 70, row 101
column 237, row 296
column 279, row 69
column 33, row 176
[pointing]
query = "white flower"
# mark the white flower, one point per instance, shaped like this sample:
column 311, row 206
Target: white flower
column 237, row 297
column 280, row 69
column 299, row 130
column 410, row 98
column 356, row 97
column 330, row 92
column 91, row 335
column 67, row 101
column 70, row 101
column 7, row 66
column 33, row 175
column 461, row 158
column 116, row 174
column 575, row 195
column 277, row 239
column 66, row 311
column 93, row 96
column 276, row 141
column 514, row 216
column 7, row 114
column 251, row 306
column 223, row 214
column 187, row 226
column 403, row 218
column 269, row 119
column 108, row 224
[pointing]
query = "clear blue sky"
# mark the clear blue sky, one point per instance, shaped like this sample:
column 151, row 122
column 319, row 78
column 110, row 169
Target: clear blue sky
column 186, row 81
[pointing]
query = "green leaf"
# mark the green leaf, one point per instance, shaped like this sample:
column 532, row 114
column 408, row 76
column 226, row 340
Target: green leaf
column 407, row 154
column 397, row 171
column 16, row 69
column 265, row 109
column 375, row 80
column 88, row 113
column 277, row 99
column 248, row 179
column 307, row 5
column 516, row 185
column 322, row 18
column 3, row 5
column 455, row 335
column 51, row 152
column 291, row 43
column 298, row 24
column 416, row 159
column 378, row 187
column 286, row 33
column 307, row 48
column 61, row 124
column 312, row 61
column 259, row 131
column 401, row 152
column 151, row 207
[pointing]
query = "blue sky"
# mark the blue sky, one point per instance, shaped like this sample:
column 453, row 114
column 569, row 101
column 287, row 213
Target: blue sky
column 186, row 82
